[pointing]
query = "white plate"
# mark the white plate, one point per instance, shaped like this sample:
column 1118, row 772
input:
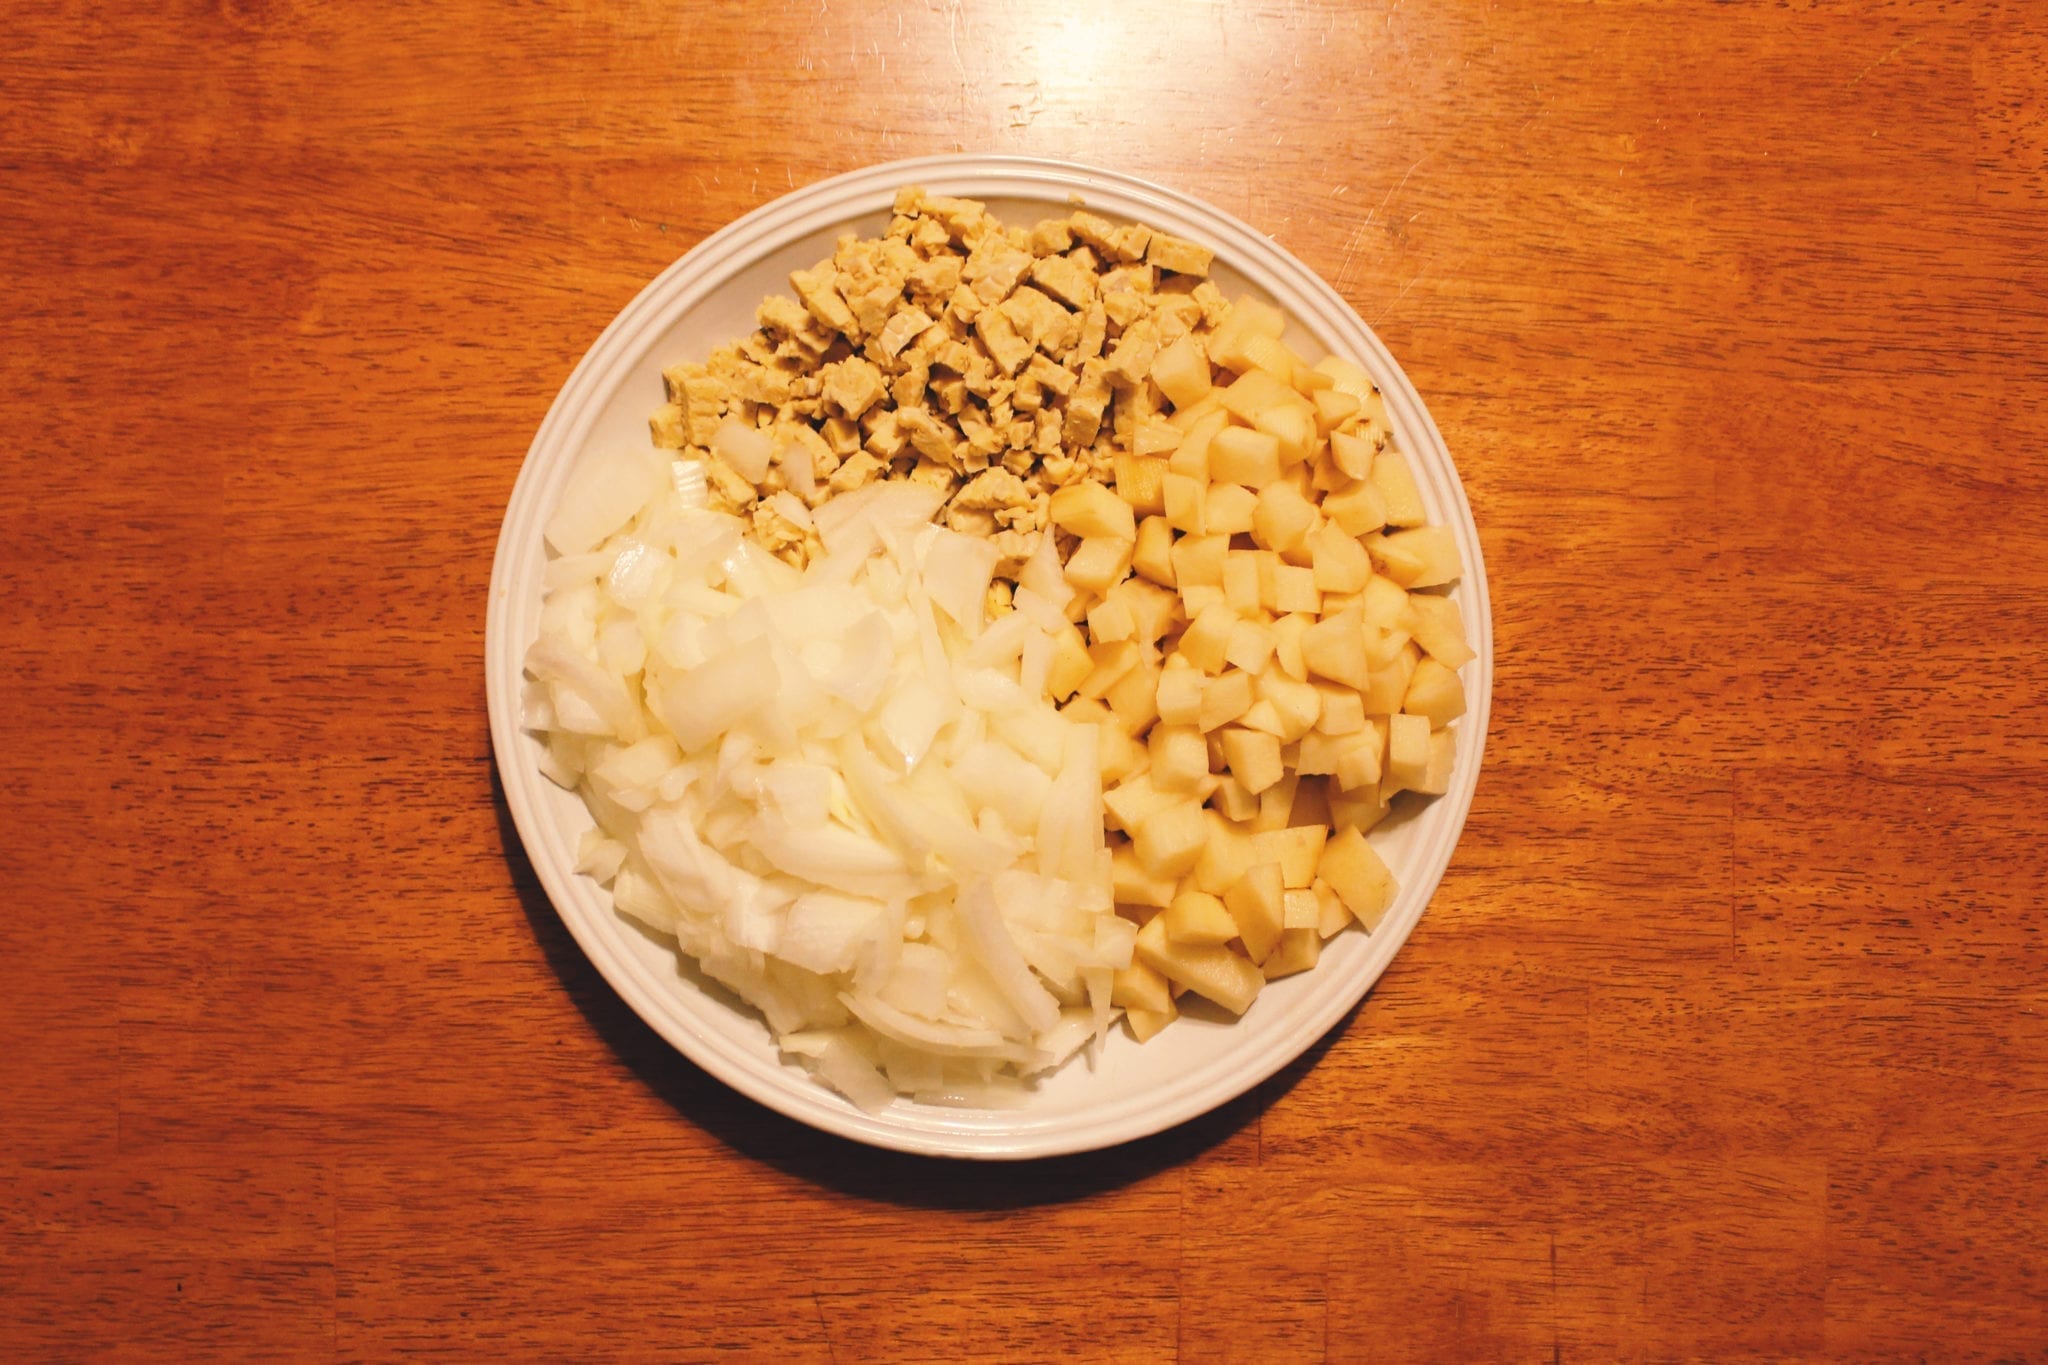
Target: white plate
column 709, row 297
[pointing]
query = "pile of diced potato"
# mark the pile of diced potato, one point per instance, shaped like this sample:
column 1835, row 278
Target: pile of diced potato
column 1266, row 669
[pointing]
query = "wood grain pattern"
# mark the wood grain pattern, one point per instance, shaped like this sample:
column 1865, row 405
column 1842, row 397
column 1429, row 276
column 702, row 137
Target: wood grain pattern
column 1725, row 1034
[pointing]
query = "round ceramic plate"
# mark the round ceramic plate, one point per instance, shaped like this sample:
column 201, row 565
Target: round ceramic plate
column 708, row 297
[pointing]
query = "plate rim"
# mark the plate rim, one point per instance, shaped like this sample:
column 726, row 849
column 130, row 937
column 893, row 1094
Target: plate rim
column 667, row 297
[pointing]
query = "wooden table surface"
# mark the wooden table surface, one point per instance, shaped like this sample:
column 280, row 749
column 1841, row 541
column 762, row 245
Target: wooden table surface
column 1723, row 1037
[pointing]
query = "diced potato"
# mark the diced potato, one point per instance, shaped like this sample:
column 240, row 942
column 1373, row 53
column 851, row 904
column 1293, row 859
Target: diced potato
column 1296, row 704
column 1443, row 753
column 1294, row 427
column 1297, row 951
column 1185, row 501
column 1311, row 802
column 1130, row 802
column 1090, row 509
column 1339, row 562
column 1180, row 757
column 1112, row 620
column 1333, row 407
column 1225, row 698
column 1155, row 612
column 1273, row 356
column 1206, row 642
column 1232, row 799
column 1351, row 454
column 1256, row 902
column 1097, row 562
column 1112, row 659
column 1360, row 760
column 1421, row 557
column 1153, row 555
column 1287, row 633
column 1138, row 482
column 1241, row 581
column 1182, row 372
column 1396, row 483
column 1385, row 606
column 1334, row 648
column 1248, row 317
column 1199, row 918
column 1169, row 840
column 1134, row 697
column 1282, row 517
column 1359, row 509
column 1254, row 758
column 1117, row 755
column 1241, row 455
column 1276, row 803
column 1154, row 437
column 1358, row 876
column 1294, row 590
column 1071, row 664
column 1359, row 810
column 1199, row 559
column 1190, row 459
column 1407, row 751
column 1178, row 696
column 1434, row 691
column 1139, row 987
column 1296, row 849
column 1387, row 687
column 1439, row 628
column 1250, row 646
column 1331, row 914
column 1224, row 857
column 1230, row 509
column 1342, row 709
column 1257, row 392
column 1145, row 1024
column 1131, row 884
column 1213, row 972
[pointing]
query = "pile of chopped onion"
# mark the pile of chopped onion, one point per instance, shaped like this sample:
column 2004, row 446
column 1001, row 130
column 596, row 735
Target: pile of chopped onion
column 841, row 790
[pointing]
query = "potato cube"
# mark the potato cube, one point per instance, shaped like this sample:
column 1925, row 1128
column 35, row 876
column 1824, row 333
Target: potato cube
column 1398, row 493
column 1153, row 437
column 1443, row 753
column 1089, row 509
column 1071, row 664
column 1434, row 691
column 1251, row 645
column 1232, row 799
column 1182, row 372
column 1139, row 987
column 1226, row 697
column 1299, row 909
column 1421, row 557
column 1130, row 802
column 1248, row 317
column 1256, row 902
column 1359, row 508
column 1311, row 802
column 1206, row 642
column 1439, row 628
column 1334, row 648
column 1257, row 392
column 1276, row 803
column 1190, row 458
column 1112, row 620
column 1298, row 951
column 1254, row 758
column 1155, row 612
column 1359, row 810
column 1287, row 633
column 1273, row 356
column 1213, row 972
column 1134, row 697
column 1199, row 559
column 1225, row 856
column 1339, row 561
column 1145, row 1024
column 1178, row 696
column 1199, row 918
column 1152, row 557
column 1358, row 876
column 1185, row 501
column 1097, row 562
column 1138, row 482
column 1387, row 687
column 1241, row 581
column 1407, row 751
column 1112, row 659
column 1385, row 605
column 1294, row 590
column 1169, row 840
column 1333, row 407
column 1117, row 755
column 1180, row 757
column 1331, row 914
column 1229, row 509
column 1296, row 848
column 1342, row 710
column 1296, row 704
column 1360, row 760
column 1294, row 427
column 1131, row 884
column 1351, row 454
column 1241, row 455
column 1282, row 516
